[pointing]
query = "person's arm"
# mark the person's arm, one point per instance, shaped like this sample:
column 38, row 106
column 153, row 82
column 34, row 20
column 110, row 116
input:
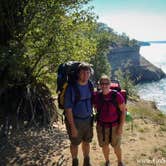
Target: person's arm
column 122, row 118
column 70, row 119
column 122, row 107
column 69, row 112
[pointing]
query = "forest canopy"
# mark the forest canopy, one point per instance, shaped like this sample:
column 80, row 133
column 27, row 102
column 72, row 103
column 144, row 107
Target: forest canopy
column 37, row 36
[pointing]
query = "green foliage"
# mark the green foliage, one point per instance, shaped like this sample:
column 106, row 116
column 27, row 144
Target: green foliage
column 37, row 36
column 100, row 60
column 44, row 34
column 145, row 110
column 58, row 34
column 127, row 84
column 106, row 40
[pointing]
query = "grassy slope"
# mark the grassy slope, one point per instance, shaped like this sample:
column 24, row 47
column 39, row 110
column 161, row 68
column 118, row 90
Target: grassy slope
column 146, row 110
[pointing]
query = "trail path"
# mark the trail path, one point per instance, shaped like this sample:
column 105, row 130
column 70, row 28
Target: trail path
column 142, row 146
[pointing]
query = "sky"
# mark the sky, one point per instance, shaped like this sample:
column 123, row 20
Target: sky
column 143, row 20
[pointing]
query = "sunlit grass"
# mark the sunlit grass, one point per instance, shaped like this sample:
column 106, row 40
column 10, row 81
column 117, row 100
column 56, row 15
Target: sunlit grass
column 147, row 110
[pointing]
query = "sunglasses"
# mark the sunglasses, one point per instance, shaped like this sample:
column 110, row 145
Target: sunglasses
column 104, row 83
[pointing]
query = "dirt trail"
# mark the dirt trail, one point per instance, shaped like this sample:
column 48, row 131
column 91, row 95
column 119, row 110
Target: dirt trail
column 142, row 146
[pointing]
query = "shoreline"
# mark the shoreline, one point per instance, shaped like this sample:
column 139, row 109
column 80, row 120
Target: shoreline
column 156, row 94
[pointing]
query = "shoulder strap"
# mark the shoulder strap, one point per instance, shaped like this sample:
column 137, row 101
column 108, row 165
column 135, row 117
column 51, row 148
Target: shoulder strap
column 76, row 96
column 114, row 101
column 113, row 97
column 91, row 86
column 101, row 99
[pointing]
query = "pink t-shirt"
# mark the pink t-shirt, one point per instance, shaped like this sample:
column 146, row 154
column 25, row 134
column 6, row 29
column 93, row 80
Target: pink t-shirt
column 108, row 110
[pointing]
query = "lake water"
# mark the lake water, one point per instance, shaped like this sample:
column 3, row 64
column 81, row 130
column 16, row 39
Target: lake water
column 155, row 91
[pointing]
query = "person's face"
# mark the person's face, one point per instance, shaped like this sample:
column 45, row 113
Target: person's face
column 105, row 85
column 84, row 75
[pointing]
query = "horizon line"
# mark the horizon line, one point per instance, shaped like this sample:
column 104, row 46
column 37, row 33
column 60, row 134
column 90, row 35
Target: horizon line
column 156, row 41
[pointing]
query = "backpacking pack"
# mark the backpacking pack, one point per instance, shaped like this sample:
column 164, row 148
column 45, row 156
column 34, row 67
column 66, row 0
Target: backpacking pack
column 115, row 85
column 103, row 101
column 68, row 75
column 112, row 99
column 115, row 88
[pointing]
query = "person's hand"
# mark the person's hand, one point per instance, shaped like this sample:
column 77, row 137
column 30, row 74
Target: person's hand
column 74, row 132
column 119, row 130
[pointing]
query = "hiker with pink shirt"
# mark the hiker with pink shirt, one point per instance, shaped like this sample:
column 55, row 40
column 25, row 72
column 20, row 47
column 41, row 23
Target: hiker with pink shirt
column 111, row 111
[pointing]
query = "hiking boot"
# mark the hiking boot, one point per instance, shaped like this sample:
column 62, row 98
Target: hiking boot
column 107, row 163
column 75, row 162
column 87, row 161
column 120, row 164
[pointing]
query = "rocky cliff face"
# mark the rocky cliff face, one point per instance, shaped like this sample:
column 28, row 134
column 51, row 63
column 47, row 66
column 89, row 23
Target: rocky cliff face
column 129, row 59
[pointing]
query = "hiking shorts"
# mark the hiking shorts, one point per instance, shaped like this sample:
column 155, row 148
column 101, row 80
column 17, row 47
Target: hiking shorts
column 115, row 139
column 85, row 131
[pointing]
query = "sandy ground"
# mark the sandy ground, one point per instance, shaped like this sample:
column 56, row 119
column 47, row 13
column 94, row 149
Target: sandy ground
column 143, row 144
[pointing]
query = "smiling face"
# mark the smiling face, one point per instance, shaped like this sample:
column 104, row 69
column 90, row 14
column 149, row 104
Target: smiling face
column 105, row 84
column 84, row 76
column 84, row 72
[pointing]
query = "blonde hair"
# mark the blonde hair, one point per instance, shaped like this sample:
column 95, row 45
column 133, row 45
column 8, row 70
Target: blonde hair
column 104, row 77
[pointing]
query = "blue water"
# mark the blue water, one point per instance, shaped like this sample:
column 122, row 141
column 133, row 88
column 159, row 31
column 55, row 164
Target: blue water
column 155, row 91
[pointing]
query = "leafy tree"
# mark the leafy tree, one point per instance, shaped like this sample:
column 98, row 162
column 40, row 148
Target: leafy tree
column 43, row 34
column 127, row 84
column 100, row 60
column 36, row 37
column 107, row 39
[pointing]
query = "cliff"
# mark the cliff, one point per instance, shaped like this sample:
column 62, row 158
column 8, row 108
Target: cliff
column 129, row 59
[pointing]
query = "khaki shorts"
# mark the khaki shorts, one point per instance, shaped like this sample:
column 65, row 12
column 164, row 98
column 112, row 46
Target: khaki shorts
column 115, row 139
column 85, row 131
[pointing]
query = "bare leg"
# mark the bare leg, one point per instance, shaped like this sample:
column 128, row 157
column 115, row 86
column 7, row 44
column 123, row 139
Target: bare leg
column 106, row 151
column 74, row 151
column 118, row 153
column 85, row 148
